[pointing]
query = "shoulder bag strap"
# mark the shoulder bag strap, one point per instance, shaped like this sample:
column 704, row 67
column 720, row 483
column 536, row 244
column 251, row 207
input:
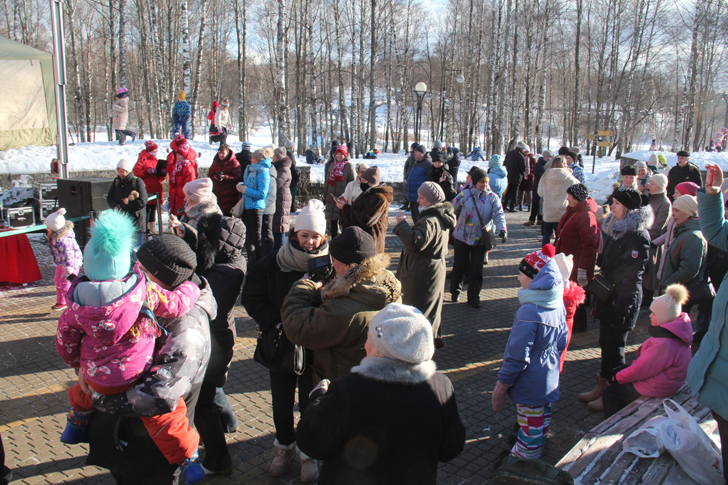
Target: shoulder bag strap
column 480, row 218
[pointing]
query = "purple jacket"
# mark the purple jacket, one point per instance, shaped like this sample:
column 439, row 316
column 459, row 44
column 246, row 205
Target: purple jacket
column 65, row 249
column 662, row 363
column 114, row 344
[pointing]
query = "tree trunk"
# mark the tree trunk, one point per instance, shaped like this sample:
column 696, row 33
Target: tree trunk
column 198, row 63
column 280, row 79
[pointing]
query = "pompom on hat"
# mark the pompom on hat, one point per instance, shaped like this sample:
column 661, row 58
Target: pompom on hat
column 150, row 146
column 56, row 221
column 181, row 96
column 401, row 332
column 311, row 218
column 565, row 264
column 125, row 164
column 107, row 255
column 669, row 306
column 533, row 262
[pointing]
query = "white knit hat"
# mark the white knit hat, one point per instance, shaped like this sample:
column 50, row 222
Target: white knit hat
column 56, row 221
column 198, row 190
column 669, row 306
column 660, row 180
column 312, row 218
column 565, row 264
column 402, row 332
column 687, row 204
column 126, row 164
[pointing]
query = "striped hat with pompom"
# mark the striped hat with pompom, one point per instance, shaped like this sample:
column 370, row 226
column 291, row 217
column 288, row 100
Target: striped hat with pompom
column 533, row 262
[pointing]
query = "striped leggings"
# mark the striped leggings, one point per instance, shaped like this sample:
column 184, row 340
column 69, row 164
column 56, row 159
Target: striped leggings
column 533, row 426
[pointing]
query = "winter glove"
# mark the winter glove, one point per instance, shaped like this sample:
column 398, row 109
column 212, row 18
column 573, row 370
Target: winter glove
column 581, row 277
column 503, row 236
column 499, row 396
column 133, row 195
column 152, row 171
column 220, row 176
column 241, row 187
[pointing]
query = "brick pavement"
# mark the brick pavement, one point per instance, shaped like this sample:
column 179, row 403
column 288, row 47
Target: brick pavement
column 33, row 380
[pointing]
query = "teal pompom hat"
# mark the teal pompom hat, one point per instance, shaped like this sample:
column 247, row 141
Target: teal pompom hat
column 495, row 161
column 108, row 253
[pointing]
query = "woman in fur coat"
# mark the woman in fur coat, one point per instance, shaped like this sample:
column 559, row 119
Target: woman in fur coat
column 622, row 262
column 369, row 211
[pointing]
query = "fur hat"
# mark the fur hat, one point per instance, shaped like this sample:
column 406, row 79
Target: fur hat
column 181, row 95
column 126, row 164
column 352, row 246
column 629, row 198
column 342, row 149
column 225, row 101
column 660, row 180
column 669, row 306
column 579, row 192
column 421, row 149
column 495, row 161
column 565, row 264
column 533, row 262
column 687, row 204
column 628, row 170
column 107, row 255
column 56, row 221
column 373, row 175
column 683, row 153
column 401, row 332
column 311, row 218
column 246, row 145
column 168, row 258
column 547, row 153
column 687, row 188
column 198, row 190
column 150, row 146
column 432, row 192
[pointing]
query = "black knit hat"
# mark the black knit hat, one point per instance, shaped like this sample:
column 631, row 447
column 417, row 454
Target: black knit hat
column 477, row 175
column 352, row 246
column 629, row 198
column 579, row 192
column 472, row 169
column 574, row 156
column 628, row 170
column 564, row 151
column 683, row 153
column 168, row 258
column 421, row 149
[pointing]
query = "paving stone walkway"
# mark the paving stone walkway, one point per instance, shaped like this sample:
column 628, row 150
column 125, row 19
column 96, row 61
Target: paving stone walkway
column 33, row 380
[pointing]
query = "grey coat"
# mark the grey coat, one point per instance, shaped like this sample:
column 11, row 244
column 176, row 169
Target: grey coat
column 422, row 268
column 662, row 209
column 270, row 199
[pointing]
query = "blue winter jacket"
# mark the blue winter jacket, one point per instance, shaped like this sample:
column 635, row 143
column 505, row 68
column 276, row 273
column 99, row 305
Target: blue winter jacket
column 257, row 181
column 419, row 173
column 476, row 155
column 538, row 337
column 468, row 229
column 498, row 177
column 708, row 371
column 181, row 109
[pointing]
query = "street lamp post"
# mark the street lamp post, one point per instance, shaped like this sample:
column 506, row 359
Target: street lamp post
column 725, row 98
column 420, row 90
column 460, row 79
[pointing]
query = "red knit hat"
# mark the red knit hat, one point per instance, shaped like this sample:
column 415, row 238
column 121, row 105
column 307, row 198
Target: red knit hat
column 184, row 149
column 150, row 145
column 342, row 149
column 533, row 262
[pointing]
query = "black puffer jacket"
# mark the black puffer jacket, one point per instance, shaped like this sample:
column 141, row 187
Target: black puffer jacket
column 218, row 242
column 515, row 163
column 622, row 261
column 448, row 185
column 121, row 189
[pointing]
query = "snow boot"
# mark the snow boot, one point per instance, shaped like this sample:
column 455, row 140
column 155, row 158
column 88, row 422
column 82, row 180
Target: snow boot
column 284, row 457
column 76, row 431
column 309, row 468
column 192, row 469
column 596, row 393
column 597, row 405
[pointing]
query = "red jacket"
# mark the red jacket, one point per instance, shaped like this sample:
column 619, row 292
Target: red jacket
column 574, row 296
column 152, row 182
column 192, row 157
column 578, row 235
column 179, row 174
column 227, row 194
column 527, row 182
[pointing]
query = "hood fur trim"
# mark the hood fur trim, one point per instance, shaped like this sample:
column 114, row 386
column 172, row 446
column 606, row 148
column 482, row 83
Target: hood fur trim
column 573, row 293
column 62, row 232
column 638, row 220
column 392, row 371
column 367, row 269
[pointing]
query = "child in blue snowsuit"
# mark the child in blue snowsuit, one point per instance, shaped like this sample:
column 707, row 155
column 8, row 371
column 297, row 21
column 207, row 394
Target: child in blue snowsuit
column 181, row 116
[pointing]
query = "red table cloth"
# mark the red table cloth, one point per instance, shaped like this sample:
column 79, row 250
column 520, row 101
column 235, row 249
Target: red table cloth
column 17, row 261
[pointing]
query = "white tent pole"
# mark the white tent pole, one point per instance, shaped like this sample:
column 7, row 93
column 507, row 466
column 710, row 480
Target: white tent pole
column 59, row 71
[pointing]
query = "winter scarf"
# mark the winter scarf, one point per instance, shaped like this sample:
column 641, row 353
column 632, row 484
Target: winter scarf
column 337, row 172
column 551, row 298
column 291, row 257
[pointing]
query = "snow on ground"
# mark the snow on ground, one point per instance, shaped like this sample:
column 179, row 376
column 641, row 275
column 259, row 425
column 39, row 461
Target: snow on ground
column 701, row 159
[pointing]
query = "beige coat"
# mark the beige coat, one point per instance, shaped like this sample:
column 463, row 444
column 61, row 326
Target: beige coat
column 222, row 118
column 120, row 112
column 552, row 189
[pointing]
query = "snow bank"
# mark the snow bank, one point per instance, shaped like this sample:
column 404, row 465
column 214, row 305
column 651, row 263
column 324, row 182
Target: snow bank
column 701, row 159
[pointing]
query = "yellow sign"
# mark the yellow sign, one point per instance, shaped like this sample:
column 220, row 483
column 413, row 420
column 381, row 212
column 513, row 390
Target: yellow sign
column 605, row 133
column 591, row 137
column 604, row 144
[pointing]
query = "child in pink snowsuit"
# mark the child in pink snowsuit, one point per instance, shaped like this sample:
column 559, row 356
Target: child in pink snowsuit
column 66, row 254
column 662, row 360
column 108, row 332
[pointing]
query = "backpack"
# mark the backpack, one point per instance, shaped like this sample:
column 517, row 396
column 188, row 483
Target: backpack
column 524, row 471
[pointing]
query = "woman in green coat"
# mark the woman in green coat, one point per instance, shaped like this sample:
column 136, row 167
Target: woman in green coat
column 422, row 268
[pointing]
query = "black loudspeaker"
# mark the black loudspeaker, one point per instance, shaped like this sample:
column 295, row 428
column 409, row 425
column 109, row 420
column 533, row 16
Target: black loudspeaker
column 80, row 196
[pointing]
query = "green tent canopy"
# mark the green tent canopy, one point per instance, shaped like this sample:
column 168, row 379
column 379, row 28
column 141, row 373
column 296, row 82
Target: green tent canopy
column 28, row 108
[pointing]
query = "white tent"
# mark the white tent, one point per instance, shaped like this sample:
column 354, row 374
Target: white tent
column 28, row 108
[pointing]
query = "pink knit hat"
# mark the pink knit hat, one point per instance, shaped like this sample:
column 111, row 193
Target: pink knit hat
column 687, row 188
column 198, row 190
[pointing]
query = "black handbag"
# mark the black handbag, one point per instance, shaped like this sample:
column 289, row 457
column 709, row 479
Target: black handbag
column 277, row 353
column 602, row 289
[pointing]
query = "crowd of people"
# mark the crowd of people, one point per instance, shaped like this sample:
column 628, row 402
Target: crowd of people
column 356, row 339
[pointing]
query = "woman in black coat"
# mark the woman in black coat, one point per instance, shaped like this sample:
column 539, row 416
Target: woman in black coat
column 128, row 194
column 266, row 286
column 622, row 262
column 393, row 418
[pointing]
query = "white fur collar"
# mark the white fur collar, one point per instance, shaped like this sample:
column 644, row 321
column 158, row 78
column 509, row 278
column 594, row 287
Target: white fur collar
column 395, row 371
